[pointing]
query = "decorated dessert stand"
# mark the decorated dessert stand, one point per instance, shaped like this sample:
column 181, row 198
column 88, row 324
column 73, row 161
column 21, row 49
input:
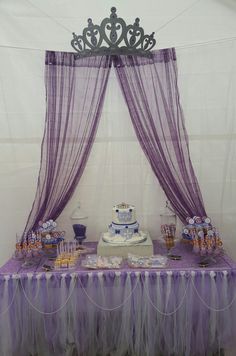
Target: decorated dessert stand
column 204, row 238
column 139, row 293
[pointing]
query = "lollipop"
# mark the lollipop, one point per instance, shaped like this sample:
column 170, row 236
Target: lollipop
column 190, row 221
column 197, row 220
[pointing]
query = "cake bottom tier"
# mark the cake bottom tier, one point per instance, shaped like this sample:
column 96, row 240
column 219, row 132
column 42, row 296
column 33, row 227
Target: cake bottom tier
column 118, row 239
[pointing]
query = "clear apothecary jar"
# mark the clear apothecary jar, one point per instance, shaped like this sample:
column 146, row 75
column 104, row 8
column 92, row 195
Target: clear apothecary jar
column 168, row 225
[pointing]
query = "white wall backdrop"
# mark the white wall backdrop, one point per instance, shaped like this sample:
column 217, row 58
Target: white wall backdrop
column 207, row 83
column 117, row 169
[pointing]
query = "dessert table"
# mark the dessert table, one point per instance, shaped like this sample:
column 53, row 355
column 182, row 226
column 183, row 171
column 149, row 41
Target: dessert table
column 181, row 309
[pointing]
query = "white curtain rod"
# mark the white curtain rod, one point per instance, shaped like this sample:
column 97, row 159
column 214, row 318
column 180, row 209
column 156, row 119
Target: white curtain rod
column 211, row 42
column 38, row 140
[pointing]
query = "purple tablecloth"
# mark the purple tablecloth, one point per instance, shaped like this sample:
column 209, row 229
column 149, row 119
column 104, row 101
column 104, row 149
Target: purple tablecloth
column 179, row 310
column 189, row 261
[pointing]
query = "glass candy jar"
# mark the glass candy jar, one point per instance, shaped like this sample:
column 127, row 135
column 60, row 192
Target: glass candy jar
column 168, row 229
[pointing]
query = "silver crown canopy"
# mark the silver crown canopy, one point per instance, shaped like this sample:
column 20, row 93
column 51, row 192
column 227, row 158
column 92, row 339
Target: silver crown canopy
column 113, row 37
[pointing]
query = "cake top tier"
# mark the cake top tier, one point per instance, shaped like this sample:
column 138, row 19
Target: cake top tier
column 123, row 206
column 123, row 213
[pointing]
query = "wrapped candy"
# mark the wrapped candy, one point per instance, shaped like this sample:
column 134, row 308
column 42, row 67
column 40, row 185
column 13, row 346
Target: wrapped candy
column 155, row 261
column 101, row 262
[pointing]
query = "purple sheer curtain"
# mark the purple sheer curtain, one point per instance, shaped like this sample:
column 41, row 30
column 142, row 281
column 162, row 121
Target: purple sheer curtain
column 150, row 89
column 75, row 90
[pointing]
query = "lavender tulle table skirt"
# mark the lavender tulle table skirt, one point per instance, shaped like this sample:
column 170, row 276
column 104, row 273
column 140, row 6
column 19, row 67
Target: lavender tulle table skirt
column 179, row 310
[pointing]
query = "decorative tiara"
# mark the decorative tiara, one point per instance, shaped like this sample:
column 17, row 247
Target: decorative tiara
column 113, row 37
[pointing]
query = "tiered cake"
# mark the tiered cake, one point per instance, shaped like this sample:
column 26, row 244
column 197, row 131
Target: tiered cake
column 124, row 228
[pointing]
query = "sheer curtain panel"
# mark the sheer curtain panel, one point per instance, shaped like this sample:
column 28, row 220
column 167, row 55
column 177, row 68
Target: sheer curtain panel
column 150, row 90
column 75, row 90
